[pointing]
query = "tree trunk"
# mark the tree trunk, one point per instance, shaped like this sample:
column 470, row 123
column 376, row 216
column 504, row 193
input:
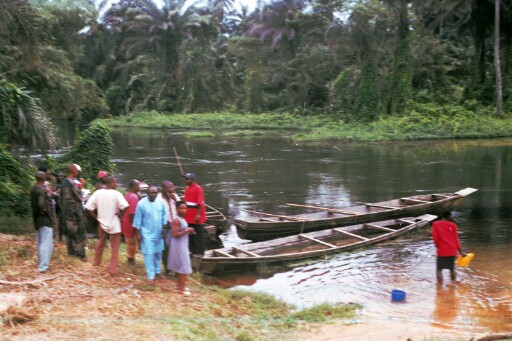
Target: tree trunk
column 400, row 82
column 499, row 87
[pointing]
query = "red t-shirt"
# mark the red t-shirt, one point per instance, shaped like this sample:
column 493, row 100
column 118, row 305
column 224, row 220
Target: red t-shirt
column 445, row 236
column 126, row 222
column 194, row 196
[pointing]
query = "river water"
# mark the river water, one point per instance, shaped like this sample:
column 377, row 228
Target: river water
column 263, row 173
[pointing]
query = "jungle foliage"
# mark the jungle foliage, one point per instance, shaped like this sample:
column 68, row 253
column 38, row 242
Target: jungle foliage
column 355, row 61
column 92, row 151
column 15, row 184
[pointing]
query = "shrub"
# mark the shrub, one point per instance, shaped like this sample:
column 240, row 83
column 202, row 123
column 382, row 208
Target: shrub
column 14, row 185
column 92, row 152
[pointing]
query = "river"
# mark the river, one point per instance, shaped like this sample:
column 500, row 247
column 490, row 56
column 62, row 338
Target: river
column 263, row 173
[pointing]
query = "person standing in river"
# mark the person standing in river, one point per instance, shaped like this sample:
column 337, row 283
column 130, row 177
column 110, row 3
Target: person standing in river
column 132, row 197
column 446, row 240
column 107, row 206
column 72, row 213
column 196, row 213
column 44, row 220
column 170, row 197
column 149, row 221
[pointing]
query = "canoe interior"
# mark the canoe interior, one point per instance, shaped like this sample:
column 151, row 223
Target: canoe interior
column 299, row 247
column 264, row 226
column 296, row 244
column 383, row 206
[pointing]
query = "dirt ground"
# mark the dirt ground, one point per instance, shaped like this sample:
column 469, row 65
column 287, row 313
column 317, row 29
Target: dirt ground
column 75, row 300
column 380, row 330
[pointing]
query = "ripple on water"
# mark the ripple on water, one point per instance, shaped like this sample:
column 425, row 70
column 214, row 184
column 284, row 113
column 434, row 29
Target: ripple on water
column 480, row 302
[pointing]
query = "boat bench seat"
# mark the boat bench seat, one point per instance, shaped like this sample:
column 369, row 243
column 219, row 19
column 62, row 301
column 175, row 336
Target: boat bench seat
column 303, row 236
column 222, row 253
column 339, row 230
column 249, row 253
column 415, row 201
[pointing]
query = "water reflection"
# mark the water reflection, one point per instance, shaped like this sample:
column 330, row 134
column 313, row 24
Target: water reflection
column 446, row 304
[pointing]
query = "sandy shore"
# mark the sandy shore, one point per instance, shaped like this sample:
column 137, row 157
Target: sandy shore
column 379, row 330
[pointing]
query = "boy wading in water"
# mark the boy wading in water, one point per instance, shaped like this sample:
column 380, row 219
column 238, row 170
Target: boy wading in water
column 179, row 258
column 446, row 239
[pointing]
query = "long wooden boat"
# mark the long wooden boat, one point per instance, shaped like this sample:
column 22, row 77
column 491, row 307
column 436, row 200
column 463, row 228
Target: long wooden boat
column 215, row 222
column 307, row 245
column 264, row 226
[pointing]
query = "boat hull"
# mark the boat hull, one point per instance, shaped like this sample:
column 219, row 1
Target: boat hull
column 263, row 228
column 262, row 255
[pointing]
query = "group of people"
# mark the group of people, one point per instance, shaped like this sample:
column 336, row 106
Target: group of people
column 167, row 227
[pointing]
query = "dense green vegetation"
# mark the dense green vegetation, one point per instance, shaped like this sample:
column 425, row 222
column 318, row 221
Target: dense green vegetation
column 425, row 121
column 219, row 120
column 92, row 151
column 14, row 185
column 369, row 70
column 353, row 61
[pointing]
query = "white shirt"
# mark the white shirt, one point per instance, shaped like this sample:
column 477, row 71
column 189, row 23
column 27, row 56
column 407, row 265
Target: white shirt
column 108, row 203
column 171, row 206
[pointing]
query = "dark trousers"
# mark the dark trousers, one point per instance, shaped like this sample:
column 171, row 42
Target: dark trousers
column 196, row 241
column 165, row 252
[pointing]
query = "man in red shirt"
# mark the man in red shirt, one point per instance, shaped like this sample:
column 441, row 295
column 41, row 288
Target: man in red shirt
column 446, row 239
column 196, row 213
column 130, row 237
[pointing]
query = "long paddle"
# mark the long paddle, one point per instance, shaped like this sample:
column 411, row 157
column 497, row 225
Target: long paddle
column 178, row 160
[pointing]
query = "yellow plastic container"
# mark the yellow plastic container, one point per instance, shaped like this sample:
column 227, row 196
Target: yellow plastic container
column 464, row 261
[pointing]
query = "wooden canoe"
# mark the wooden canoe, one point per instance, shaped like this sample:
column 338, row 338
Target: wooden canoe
column 303, row 246
column 264, row 226
column 215, row 222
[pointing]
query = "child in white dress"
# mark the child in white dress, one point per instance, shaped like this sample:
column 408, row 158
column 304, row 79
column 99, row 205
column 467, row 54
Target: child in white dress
column 179, row 258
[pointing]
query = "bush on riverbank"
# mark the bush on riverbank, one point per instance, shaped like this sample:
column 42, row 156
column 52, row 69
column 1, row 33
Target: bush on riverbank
column 218, row 121
column 423, row 121
column 93, row 151
column 15, row 184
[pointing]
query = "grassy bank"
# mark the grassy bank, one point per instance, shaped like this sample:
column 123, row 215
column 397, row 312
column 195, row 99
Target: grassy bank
column 422, row 122
column 78, row 301
column 218, row 121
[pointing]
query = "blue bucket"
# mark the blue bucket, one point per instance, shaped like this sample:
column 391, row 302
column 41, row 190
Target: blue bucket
column 397, row 295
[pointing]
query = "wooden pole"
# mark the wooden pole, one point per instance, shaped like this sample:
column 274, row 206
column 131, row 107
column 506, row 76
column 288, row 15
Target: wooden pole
column 178, row 160
column 275, row 215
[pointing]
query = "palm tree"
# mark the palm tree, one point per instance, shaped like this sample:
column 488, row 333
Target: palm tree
column 159, row 33
column 22, row 119
column 499, row 86
column 278, row 21
column 22, row 29
column 160, row 30
column 460, row 16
